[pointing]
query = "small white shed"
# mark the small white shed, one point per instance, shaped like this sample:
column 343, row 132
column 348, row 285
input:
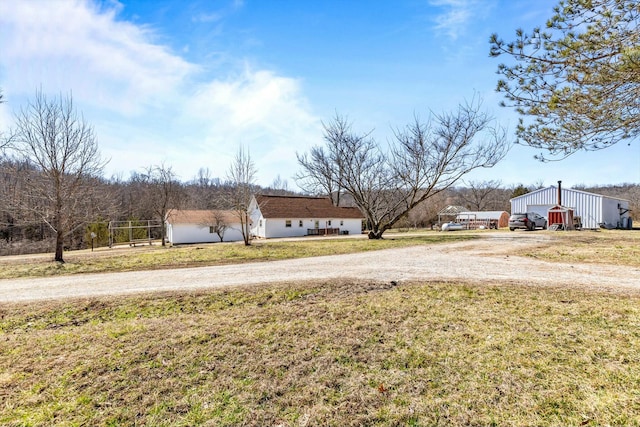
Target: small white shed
column 202, row 226
column 593, row 209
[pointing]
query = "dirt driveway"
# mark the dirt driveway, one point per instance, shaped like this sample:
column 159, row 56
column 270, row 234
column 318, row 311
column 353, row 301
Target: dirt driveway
column 490, row 260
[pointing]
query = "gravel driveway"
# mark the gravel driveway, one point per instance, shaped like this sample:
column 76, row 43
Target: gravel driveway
column 470, row 260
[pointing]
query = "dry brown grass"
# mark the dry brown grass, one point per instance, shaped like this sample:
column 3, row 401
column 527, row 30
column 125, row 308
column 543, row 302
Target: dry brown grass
column 607, row 247
column 618, row 247
column 335, row 354
column 157, row 257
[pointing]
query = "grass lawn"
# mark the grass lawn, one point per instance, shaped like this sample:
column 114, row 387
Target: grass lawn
column 335, row 354
column 611, row 247
column 331, row 353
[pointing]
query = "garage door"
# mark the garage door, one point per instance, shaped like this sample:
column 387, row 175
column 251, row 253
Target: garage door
column 542, row 210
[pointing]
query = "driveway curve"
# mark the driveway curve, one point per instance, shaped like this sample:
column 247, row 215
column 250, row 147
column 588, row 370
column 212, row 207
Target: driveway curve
column 469, row 260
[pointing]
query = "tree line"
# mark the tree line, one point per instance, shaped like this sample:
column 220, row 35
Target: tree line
column 28, row 222
column 139, row 198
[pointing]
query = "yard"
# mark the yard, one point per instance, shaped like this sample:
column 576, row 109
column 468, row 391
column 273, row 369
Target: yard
column 344, row 351
column 125, row 258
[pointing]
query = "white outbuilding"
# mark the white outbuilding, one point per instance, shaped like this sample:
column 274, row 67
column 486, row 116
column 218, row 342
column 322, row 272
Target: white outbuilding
column 594, row 210
column 202, row 226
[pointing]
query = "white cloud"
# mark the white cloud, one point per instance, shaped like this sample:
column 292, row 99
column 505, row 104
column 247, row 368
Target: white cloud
column 207, row 17
column 248, row 99
column 148, row 104
column 459, row 15
column 264, row 111
column 72, row 45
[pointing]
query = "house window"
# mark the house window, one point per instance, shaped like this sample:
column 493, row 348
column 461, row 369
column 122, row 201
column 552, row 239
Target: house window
column 212, row 229
column 300, row 223
column 260, row 223
column 329, row 223
column 341, row 223
column 287, row 223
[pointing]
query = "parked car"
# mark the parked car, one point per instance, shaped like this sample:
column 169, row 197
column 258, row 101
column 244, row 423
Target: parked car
column 528, row 221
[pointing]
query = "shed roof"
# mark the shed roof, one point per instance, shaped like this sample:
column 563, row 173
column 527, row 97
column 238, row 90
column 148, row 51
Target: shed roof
column 201, row 216
column 303, row 207
column 452, row 210
column 483, row 214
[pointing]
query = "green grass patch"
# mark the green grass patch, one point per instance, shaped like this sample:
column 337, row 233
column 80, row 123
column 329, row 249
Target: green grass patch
column 334, row 354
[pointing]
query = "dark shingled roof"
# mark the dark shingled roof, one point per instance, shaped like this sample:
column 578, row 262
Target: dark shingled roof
column 303, row 207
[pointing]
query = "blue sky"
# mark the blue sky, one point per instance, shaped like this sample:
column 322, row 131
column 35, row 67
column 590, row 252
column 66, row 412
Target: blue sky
column 185, row 83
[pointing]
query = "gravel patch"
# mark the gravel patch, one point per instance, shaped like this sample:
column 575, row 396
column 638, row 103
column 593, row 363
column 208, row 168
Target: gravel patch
column 491, row 259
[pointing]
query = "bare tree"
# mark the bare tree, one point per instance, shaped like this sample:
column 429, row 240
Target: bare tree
column 216, row 219
column 241, row 176
column 426, row 159
column 481, row 195
column 15, row 193
column 203, row 179
column 200, row 190
column 425, row 214
column 164, row 193
column 62, row 148
column 3, row 142
column 280, row 185
column 320, row 173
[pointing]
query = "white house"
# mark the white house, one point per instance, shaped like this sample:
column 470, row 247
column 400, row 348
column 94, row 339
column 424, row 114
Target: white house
column 593, row 209
column 202, row 226
column 291, row 216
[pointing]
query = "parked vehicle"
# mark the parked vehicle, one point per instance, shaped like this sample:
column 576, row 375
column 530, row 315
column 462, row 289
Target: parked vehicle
column 528, row 221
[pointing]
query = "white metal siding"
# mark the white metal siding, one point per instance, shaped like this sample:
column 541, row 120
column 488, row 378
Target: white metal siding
column 611, row 209
column 592, row 208
column 542, row 210
column 590, row 211
column 545, row 196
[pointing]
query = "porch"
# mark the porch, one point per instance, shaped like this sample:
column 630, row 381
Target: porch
column 325, row 231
